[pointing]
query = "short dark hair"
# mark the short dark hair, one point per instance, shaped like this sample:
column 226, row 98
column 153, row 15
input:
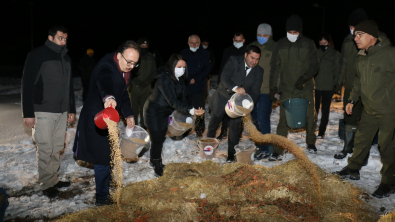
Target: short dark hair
column 171, row 64
column 55, row 28
column 238, row 34
column 253, row 48
column 327, row 37
column 129, row 44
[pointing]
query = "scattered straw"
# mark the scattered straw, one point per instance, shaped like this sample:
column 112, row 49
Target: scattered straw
column 286, row 144
column 390, row 217
column 116, row 160
column 211, row 192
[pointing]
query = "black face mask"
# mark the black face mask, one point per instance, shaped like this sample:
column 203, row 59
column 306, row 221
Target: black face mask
column 324, row 47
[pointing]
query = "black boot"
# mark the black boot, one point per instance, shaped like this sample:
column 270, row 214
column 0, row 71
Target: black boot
column 383, row 190
column 158, row 166
column 347, row 173
column 348, row 143
column 311, row 148
column 223, row 134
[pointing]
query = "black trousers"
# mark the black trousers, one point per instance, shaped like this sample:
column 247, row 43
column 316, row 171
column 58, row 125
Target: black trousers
column 198, row 100
column 157, row 139
column 324, row 97
column 235, row 127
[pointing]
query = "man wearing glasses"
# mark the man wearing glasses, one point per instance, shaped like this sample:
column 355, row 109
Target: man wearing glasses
column 374, row 87
column 48, row 103
column 198, row 64
column 108, row 85
column 347, row 72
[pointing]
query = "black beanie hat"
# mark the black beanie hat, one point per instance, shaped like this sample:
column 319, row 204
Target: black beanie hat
column 357, row 16
column 368, row 26
column 294, row 23
column 142, row 41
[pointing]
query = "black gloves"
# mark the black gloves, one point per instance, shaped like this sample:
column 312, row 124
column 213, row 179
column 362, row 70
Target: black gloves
column 271, row 95
column 300, row 83
column 337, row 89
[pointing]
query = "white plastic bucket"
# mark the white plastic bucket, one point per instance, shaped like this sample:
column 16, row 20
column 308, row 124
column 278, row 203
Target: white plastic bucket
column 207, row 147
column 239, row 105
column 179, row 123
column 133, row 142
column 245, row 154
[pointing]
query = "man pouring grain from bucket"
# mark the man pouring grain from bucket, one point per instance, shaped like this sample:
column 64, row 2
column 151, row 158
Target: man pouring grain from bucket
column 108, row 85
column 241, row 75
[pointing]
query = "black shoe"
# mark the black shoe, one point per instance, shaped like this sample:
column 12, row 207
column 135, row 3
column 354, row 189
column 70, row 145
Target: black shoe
column 261, row 155
column 340, row 155
column 311, row 148
column 230, row 159
column 51, row 192
column 383, row 190
column 366, row 161
column 275, row 157
column 157, row 165
column 348, row 173
column 61, row 184
column 222, row 135
column 104, row 202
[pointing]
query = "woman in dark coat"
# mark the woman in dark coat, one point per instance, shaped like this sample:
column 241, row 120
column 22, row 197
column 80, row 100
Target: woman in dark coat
column 108, row 84
column 325, row 80
column 169, row 94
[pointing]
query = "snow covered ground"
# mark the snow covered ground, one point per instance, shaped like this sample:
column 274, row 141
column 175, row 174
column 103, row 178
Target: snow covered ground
column 18, row 168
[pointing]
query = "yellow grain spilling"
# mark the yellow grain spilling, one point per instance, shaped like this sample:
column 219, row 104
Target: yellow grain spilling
column 116, row 160
column 243, row 110
column 137, row 140
column 185, row 125
column 286, row 144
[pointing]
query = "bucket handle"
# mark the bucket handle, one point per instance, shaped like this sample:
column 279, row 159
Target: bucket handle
column 290, row 97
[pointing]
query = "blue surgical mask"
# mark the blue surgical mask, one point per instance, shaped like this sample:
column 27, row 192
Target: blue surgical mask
column 262, row 40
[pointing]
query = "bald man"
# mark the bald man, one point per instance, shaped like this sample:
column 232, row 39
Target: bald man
column 198, row 65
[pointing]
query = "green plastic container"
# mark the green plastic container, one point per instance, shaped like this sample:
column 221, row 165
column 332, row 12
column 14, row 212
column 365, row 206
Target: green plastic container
column 296, row 112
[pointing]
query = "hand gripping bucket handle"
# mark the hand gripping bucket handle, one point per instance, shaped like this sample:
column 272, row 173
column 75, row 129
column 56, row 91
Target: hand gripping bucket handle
column 107, row 113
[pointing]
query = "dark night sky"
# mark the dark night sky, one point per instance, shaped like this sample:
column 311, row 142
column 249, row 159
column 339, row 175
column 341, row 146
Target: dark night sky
column 103, row 25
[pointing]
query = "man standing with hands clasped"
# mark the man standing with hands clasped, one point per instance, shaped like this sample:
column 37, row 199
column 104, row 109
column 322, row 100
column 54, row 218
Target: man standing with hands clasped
column 48, row 104
column 374, row 86
column 241, row 75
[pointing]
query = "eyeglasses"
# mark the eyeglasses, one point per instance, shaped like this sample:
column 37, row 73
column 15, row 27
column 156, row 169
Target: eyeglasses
column 359, row 34
column 130, row 63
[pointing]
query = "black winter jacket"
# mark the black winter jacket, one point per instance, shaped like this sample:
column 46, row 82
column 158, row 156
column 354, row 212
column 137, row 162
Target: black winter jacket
column 91, row 144
column 199, row 67
column 166, row 97
column 47, row 83
column 231, row 51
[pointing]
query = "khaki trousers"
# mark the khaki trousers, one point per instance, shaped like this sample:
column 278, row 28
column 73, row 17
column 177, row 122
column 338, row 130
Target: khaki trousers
column 49, row 135
column 366, row 131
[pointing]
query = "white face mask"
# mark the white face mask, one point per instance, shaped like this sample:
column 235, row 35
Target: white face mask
column 292, row 38
column 352, row 32
column 193, row 49
column 204, row 46
column 238, row 44
column 178, row 72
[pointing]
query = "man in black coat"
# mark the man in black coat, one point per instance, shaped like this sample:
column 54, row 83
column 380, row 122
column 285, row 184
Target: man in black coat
column 108, row 85
column 86, row 66
column 241, row 75
column 47, row 103
column 237, row 49
column 198, row 63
